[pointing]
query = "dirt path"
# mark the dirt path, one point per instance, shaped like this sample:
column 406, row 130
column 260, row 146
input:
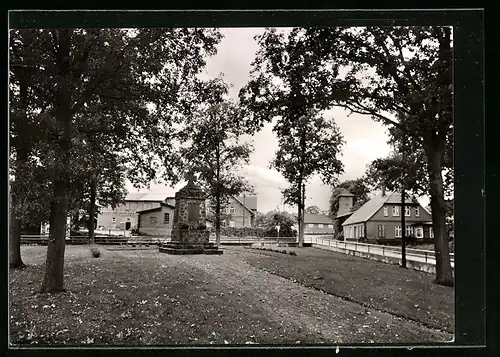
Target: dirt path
column 302, row 308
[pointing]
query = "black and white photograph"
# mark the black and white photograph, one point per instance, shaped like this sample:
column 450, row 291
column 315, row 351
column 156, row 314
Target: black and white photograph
column 231, row 186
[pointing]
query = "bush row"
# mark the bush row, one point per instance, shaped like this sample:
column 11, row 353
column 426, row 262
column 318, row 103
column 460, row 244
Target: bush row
column 240, row 232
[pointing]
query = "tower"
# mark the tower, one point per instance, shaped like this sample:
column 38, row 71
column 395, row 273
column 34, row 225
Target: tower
column 346, row 202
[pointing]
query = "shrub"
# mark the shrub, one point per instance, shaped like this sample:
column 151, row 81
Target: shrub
column 239, row 232
column 135, row 231
column 96, row 253
column 74, row 233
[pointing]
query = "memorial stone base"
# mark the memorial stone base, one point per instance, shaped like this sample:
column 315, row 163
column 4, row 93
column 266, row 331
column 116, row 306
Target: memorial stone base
column 190, row 234
column 186, row 248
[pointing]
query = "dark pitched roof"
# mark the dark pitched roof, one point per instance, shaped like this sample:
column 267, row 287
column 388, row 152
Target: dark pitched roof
column 365, row 212
column 343, row 214
column 346, row 193
column 249, row 201
column 237, row 199
column 317, row 218
column 155, row 208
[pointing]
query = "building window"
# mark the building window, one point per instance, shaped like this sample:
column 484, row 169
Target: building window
column 381, row 231
column 330, row 226
column 409, row 231
column 223, row 224
column 355, row 236
column 431, row 232
column 398, row 232
column 395, row 211
column 419, row 232
column 320, row 225
column 166, row 218
column 417, row 212
column 231, row 210
column 153, row 220
column 113, row 219
column 407, row 211
column 362, row 230
column 231, row 224
column 386, row 212
column 310, row 225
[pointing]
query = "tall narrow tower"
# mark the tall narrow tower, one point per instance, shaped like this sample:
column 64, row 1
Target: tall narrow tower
column 346, row 202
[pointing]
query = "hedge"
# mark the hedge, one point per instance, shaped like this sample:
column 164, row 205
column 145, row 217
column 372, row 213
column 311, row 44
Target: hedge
column 240, row 232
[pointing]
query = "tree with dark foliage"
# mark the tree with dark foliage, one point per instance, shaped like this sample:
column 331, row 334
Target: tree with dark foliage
column 400, row 76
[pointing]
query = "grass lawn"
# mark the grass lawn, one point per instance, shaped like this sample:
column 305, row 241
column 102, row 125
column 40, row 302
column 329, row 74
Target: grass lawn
column 402, row 292
column 150, row 298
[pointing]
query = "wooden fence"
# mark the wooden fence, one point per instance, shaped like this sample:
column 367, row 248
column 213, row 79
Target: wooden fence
column 417, row 255
column 149, row 240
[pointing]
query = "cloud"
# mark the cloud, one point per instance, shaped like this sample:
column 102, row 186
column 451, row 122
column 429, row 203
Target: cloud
column 263, row 176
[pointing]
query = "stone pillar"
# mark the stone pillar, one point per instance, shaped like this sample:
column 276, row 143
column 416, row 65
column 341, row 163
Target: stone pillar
column 189, row 232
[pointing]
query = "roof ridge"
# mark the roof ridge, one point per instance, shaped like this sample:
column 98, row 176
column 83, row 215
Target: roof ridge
column 388, row 196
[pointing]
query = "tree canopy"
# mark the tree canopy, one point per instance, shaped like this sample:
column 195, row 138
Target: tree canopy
column 400, row 76
column 215, row 152
column 313, row 210
column 126, row 86
column 308, row 143
column 270, row 220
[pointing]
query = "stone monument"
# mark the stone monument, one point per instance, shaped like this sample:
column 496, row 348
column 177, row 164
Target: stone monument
column 189, row 232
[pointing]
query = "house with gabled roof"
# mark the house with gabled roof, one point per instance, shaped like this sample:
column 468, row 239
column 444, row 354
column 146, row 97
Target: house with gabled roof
column 154, row 208
column 380, row 219
column 125, row 215
column 240, row 212
column 317, row 224
column 157, row 220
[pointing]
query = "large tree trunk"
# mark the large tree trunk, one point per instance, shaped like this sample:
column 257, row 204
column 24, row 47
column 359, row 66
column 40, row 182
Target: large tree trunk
column 301, row 224
column 54, row 267
column 217, row 195
column 444, row 273
column 15, row 260
column 303, row 213
column 23, row 150
column 93, row 193
column 217, row 220
column 15, row 225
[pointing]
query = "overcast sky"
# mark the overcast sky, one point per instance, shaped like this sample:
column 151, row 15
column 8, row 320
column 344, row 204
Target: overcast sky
column 365, row 139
